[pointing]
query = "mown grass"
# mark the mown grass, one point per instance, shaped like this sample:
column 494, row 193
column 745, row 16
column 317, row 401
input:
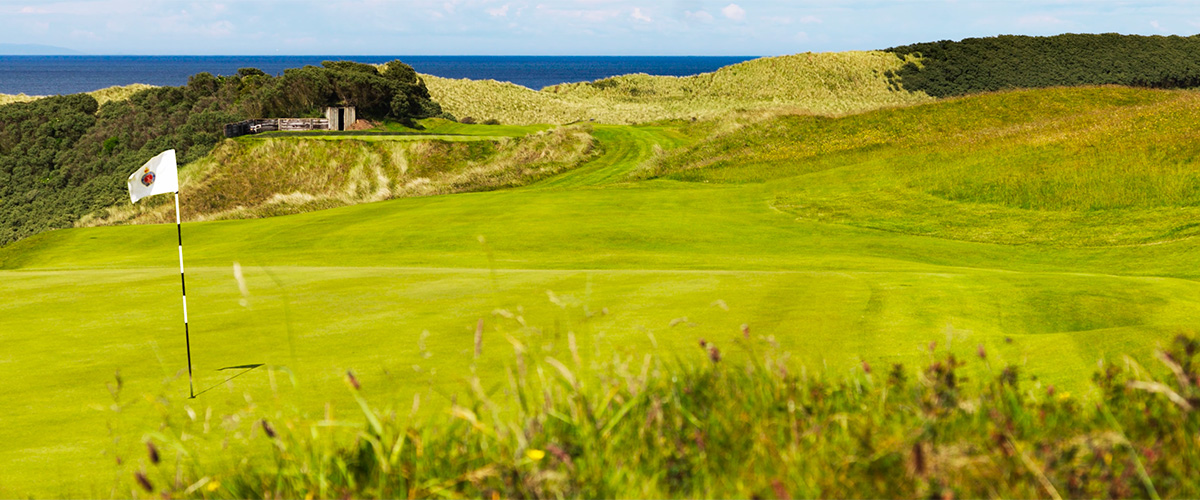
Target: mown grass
column 819, row 83
column 393, row 290
column 702, row 425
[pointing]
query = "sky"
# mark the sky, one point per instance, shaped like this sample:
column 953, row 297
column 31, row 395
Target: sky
column 560, row 27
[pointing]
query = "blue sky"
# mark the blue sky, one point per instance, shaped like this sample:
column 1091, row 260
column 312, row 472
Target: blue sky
column 560, row 27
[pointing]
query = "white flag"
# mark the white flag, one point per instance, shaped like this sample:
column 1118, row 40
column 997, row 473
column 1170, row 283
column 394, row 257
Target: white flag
column 157, row 176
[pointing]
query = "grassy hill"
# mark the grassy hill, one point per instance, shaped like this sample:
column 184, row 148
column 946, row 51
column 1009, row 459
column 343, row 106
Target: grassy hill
column 284, row 174
column 1097, row 166
column 671, row 233
column 816, row 83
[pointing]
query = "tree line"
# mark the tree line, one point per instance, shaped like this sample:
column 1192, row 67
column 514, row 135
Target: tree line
column 948, row 68
column 64, row 157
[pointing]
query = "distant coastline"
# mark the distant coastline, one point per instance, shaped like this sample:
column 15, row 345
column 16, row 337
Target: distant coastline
column 33, row 49
column 68, row 74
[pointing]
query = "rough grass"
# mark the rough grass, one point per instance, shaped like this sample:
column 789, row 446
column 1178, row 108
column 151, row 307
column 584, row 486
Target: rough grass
column 254, row 177
column 114, row 93
column 818, row 83
column 749, row 426
column 1065, row 167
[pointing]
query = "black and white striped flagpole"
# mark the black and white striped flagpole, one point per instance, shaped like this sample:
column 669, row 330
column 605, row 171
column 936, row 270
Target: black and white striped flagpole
column 183, row 284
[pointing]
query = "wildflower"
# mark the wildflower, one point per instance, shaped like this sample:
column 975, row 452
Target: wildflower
column 213, row 486
column 703, row 344
column 866, row 367
column 918, row 457
column 535, row 454
column 560, row 454
column 152, row 451
column 781, row 491
column 144, row 481
column 745, row 331
column 714, row 354
column 267, row 429
column 353, row 380
column 981, row 352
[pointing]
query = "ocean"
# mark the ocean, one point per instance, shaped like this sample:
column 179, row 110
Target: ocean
column 48, row 75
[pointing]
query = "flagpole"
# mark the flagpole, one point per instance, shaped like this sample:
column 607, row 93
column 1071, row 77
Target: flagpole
column 183, row 284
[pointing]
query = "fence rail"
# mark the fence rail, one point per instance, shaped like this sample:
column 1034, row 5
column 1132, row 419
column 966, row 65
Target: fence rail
column 247, row 127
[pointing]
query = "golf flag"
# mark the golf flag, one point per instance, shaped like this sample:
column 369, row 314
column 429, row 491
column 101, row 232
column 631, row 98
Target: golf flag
column 157, row 176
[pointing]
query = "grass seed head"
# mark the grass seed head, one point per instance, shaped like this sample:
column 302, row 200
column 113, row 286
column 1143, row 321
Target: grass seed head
column 352, row 380
column 144, row 481
column 153, row 452
column 268, row 429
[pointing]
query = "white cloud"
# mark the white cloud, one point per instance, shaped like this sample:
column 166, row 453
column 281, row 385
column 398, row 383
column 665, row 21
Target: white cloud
column 810, row 20
column 501, row 11
column 1157, row 26
column 701, row 16
column 733, row 11
column 639, row 16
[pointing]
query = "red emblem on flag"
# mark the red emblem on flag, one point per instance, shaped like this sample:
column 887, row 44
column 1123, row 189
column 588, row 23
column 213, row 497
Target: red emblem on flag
column 148, row 178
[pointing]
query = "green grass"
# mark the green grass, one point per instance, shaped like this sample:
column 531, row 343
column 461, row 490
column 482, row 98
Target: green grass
column 575, row 425
column 1061, row 167
column 625, row 266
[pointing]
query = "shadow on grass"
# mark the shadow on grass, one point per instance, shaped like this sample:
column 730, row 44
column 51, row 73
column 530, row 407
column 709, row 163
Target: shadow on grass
column 244, row 370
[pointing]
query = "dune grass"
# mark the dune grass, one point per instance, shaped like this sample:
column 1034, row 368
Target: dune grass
column 114, row 93
column 620, row 267
column 819, row 83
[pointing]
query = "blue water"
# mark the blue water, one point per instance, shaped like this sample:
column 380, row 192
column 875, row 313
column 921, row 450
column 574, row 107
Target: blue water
column 47, row 75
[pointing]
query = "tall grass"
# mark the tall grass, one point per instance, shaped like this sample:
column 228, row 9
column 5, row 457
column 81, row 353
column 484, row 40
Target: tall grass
column 820, row 83
column 107, row 94
column 710, row 425
column 252, row 178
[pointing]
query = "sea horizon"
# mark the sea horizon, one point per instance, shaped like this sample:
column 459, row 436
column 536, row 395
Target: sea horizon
column 69, row 74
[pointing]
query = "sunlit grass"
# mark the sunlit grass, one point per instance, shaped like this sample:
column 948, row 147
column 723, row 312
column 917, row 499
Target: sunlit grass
column 1065, row 167
column 819, row 83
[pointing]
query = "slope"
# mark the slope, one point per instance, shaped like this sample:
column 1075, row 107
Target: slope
column 1097, row 166
column 821, row 83
column 394, row 290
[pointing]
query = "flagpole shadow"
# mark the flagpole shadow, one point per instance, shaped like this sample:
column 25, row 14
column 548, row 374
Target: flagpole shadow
column 245, row 369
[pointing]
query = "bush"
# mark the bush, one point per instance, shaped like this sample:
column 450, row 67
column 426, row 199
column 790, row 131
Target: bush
column 948, row 68
column 72, row 155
